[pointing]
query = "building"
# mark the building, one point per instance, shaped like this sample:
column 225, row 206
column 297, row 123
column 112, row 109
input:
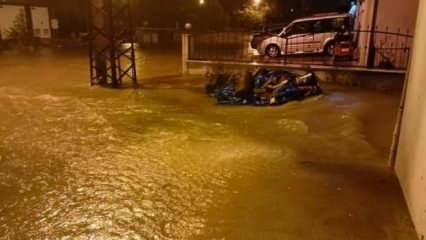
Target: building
column 411, row 160
column 392, row 20
column 30, row 16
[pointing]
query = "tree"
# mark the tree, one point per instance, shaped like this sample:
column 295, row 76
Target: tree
column 252, row 15
column 19, row 32
column 166, row 13
column 230, row 6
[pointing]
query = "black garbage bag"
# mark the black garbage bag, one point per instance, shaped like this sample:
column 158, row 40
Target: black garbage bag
column 264, row 77
column 269, row 83
column 280, row 87
column 309, row 79
column 228, row 95
column 265, row 87
column 235, row 89
column 216, row 82
column 297, row 89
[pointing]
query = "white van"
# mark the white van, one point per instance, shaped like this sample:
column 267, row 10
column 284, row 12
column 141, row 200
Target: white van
column 314, row 34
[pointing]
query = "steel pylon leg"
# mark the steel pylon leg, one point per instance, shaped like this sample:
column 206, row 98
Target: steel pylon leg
column 111, row 46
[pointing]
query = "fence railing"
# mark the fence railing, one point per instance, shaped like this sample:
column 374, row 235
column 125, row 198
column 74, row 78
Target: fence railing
column 368, row 49
column 158, row 37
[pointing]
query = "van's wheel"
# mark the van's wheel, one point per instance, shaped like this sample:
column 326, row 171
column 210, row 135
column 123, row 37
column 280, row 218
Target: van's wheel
column 330, row 48
column 273, row 51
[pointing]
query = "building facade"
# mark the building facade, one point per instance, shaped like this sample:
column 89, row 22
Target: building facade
column 17, row 17
column 411, row 157
column 397, row 18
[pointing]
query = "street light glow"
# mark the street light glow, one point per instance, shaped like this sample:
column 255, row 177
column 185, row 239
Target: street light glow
column 257, row 2
column 201, row 2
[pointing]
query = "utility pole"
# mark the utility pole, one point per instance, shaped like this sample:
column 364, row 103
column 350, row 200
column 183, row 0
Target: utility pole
column 112, row 50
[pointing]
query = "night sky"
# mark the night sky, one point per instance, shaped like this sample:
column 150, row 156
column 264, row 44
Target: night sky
column 215, row 14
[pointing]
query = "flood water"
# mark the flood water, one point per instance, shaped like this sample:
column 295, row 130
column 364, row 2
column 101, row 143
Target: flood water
column 165, row 162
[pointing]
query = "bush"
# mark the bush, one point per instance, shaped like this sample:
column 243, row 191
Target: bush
column 19, row 32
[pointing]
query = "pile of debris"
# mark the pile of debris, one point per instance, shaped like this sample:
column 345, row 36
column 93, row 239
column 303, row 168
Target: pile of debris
column 263, row 87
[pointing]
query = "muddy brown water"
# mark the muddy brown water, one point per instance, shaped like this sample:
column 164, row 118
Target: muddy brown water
column 166, row 162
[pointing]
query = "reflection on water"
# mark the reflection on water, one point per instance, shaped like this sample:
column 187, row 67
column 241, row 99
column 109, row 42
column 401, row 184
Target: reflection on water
column 80, row 163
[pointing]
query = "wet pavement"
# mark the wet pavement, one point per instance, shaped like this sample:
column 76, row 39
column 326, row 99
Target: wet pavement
column 166, row 162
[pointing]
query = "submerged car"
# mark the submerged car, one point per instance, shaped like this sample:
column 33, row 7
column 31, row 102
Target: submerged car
column 314, row 34
column 264, row 87
column 280, row 87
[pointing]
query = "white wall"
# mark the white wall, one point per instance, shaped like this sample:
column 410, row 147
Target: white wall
column 411, row 159
column 397, row 15
column 392, row 16
column 8, row 14
column 365, row 14
column 41, row 22
column 365, row 18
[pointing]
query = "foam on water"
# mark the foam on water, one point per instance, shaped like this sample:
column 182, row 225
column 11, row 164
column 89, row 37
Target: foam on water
column 93, row 163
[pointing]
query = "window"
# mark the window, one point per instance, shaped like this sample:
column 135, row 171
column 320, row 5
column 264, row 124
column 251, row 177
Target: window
column 322, row 26
column 330, row 25
column 300, row 28
column 340, row 23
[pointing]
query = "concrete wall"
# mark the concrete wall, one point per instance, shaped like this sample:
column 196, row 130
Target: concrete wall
column 411, row 158
column 365, row 18
column 393, row 15
column 397, row 15
column 377, row 81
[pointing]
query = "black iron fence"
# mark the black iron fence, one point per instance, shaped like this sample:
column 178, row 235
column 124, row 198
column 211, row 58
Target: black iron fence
column 163, row 38
column 361, row 48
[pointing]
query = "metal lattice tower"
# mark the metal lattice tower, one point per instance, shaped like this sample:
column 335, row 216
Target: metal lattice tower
column 112, row 49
